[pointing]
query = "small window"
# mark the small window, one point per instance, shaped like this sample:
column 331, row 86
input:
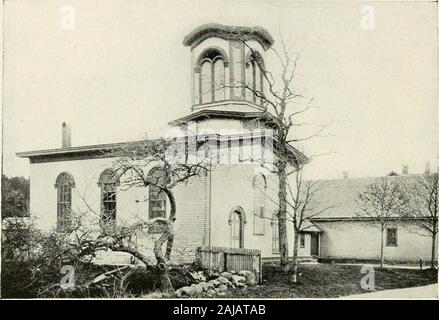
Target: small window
column 259, row 188
column 275, row 235
column 392, row 237
column 302, row 240
column 157, row 197
column 254, row 76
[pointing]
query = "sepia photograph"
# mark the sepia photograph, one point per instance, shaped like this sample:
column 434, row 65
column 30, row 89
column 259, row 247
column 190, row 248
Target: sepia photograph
column 219, row 150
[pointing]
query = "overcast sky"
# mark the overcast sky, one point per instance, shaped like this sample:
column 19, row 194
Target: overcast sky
column 123, row 71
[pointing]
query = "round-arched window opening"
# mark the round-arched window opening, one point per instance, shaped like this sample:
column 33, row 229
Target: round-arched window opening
column 211, row 84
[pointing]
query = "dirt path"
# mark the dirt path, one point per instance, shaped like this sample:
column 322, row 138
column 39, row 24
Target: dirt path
column 424, row 292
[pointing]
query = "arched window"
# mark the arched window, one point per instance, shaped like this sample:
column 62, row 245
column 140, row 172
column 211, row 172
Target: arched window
column 157, row 197
column 64, row 184
column 206, row 82
column 108, row 182
column 211, row 81
column 219, row 78
column 237, row 220
column 275, row 234
column 259, row 189
column 254, row 75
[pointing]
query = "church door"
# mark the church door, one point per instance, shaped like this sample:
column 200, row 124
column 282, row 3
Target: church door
column 237, row 230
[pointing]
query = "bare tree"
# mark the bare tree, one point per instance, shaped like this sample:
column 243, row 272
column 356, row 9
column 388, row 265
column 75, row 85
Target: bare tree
column 281, row 108
column 423, row 192
column 381, row 203
column 132, row 166
column 281, row 105
column 303, row 205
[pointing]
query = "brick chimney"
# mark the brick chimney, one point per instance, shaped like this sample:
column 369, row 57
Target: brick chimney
column 345, row 174
column 66, row 135
column 405, row 169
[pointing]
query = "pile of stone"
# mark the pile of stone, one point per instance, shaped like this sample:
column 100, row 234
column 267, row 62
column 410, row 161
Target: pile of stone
column 219, row 286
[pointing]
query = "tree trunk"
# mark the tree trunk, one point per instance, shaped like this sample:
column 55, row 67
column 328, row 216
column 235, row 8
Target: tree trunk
column 162, row 268
column 295, row 264
column 282, row 216
column 382, row 247
column 433, row 246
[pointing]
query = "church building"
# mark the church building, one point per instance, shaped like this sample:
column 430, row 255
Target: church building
column 229, row 206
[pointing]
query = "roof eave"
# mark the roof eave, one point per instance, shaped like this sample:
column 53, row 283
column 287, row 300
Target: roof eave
column 205, row 31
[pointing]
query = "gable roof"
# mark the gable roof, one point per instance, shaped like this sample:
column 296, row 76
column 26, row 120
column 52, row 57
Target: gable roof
column 342, row 195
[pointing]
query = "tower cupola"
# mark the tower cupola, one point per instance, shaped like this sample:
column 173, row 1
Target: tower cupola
column 225, row 66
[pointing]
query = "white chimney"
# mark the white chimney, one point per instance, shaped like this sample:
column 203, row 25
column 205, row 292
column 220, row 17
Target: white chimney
column 345, row 174
column 66, row 135
column 405, row 169
column 427, row 168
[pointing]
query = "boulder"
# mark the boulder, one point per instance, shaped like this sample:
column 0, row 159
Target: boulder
column 205, row 286
column 215, row 282
column 238, row 279
column 227, row 275
column 241, row 285
column 251, row 280
column 211, row 292
column 187, row 291
column 222, row 288
column 197, row 288
column 221, row 294
column 245, row 273
column 223, row 280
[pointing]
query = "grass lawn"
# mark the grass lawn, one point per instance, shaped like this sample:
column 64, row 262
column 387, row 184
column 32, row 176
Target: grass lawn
column 330, row 281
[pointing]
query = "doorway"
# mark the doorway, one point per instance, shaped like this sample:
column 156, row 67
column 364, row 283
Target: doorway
column 315, row 244
column 237, row 229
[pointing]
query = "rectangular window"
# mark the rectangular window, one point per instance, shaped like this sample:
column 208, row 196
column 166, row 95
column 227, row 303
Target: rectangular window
column 259, row 222
column 392, row 237
column 157, row 208
column 275, row 242
column 302, row 240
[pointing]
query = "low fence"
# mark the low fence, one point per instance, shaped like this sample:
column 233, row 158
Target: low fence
column 227, row 259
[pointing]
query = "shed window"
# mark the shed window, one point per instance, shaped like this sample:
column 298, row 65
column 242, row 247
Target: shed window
column 302, row 240
column 392, row 237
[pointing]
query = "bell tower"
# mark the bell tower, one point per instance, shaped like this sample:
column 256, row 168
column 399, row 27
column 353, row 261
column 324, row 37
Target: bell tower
column 225, row 71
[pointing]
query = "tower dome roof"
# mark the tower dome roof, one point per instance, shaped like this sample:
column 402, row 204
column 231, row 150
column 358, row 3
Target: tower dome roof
column 229, row 33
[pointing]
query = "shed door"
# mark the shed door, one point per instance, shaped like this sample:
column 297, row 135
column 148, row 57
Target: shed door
column 314, row 244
